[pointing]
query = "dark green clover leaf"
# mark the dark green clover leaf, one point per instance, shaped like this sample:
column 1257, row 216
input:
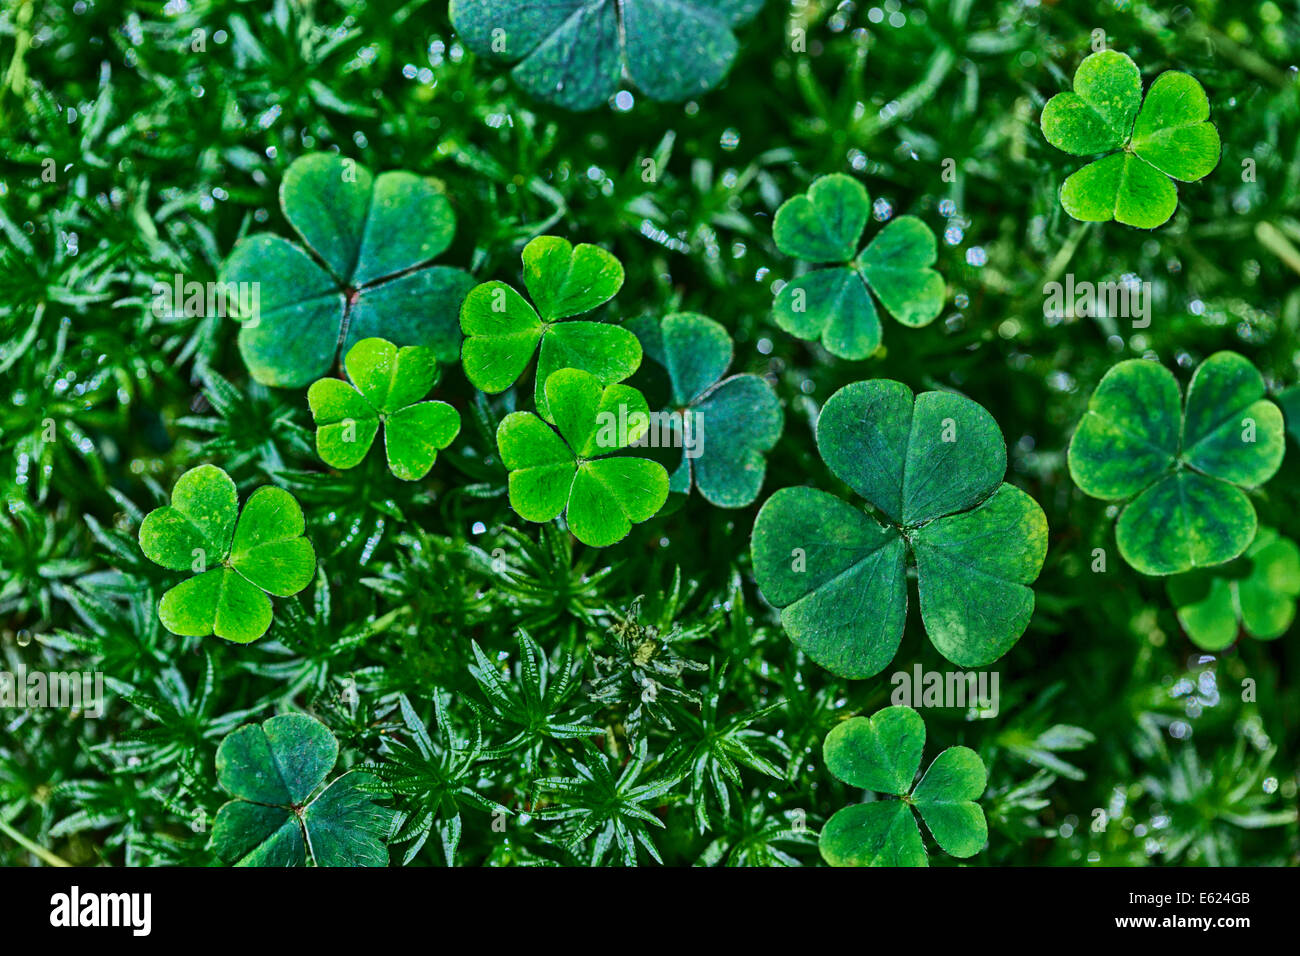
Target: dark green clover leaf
column 574, row 52
column 387, row 385
column 1290, row 402
column 367, row 238
column 836, row 304
column 503, row 331
column 883, row 754
column 279, row 816
column 1256, row 592
column 574, row 468
column 932, row 467
column 1167, row 135
column 238, row 558
column 1181, row 471
column 723, row 425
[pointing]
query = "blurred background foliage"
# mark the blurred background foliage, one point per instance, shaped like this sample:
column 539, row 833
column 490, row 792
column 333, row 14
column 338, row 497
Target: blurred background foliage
column 685, row 727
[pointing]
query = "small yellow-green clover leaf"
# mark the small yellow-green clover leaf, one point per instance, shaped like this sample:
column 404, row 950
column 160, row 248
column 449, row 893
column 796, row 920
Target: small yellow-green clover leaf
column 503, row 331
column 239, row 558
column 387, row 385
column 724, row 426
column 574, row 52
column 279, row 816
column 364, row 271
column 836, row 304
column 1256, row 593
column 883, row 753
column 1148, row 141
column 575, row 468
column 1180, row 471
column 931, row 466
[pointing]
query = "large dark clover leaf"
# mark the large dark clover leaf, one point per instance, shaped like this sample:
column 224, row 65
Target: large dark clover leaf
column 1181, row 471
column 573, row 53
column 360, row 276
column 838, row 304
column 1256, row 593
column 238, row 557
column 1148, row 141
column 932, row 467
column 724, row 425
column 272, row 770
column 883, row 754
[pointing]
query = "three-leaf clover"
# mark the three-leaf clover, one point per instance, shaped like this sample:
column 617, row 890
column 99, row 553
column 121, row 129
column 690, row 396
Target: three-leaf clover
column 883, row 753
column 836, row 304
column 573, row 52
column 367, row 238
column 932, row 467
column 724, row 426
column 574, row 468
column 239, row 557
column 503, row 331
column 1148, row 141
column 1180, row 470
column 274, row 770
column 387, row 385
column 1256, row 592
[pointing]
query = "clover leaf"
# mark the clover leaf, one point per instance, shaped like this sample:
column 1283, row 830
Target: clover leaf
column 239, row 558
column 723, row 425
column 503, row 331
column 362, row 274
column 573, row 469
column 572, row 53
column 932, row 467
column 279, row 816
column 1182, row 471
column 387, row 385
column 1148, row 141
column 883, row 753
column 837, row 304
column 1257, row 593
column 1290, row 402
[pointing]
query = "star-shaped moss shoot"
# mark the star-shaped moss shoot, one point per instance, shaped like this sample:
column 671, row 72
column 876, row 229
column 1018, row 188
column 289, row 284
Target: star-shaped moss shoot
column 573, row 53
column 575, row 468
column 725, row 425
column 387, row 385
column 1255, row 593
column 883, row 753
column 1181, row 470
column 931, row 466
column 503, row 331
column 1146, row 141
column 364, row 272
column 279, row 815
column 838, row 304
column 238, row 558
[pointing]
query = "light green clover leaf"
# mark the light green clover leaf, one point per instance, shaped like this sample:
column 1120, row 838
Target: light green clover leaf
column 1148, row 141
column 837, row 304
column 574, row 467
column 1181, row 471
column 1257, row 593
column 503, row 331
column 932, row 467
column 724, row 425
column 387, row 385
column 883, row 753
column 239, row 558
column 573, row 52
column 363, row 274
column 274, row 770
